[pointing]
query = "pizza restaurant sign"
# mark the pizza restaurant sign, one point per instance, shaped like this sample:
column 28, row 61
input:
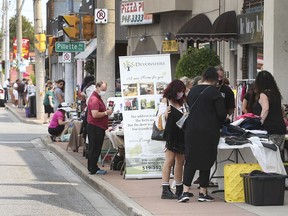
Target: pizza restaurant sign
column 132, row 13
column 250, row 28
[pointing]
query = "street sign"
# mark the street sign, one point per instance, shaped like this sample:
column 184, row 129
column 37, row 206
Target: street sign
column 66, row 57
column 69, row 46
column 101, row 16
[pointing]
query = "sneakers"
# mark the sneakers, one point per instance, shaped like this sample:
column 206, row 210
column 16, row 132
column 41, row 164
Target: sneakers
column 184, row 197
column 205, row 198
column 190, row 194
column 101, row 172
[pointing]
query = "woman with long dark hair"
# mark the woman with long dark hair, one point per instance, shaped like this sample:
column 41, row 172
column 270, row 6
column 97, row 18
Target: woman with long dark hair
column 268, row 107
column 170, row 111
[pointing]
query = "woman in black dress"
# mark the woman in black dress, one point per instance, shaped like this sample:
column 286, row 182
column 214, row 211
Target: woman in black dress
column 202, row 132
column 170, row 111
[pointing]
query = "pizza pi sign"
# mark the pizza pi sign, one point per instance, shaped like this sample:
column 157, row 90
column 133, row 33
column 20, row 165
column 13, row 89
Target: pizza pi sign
column 132, row 13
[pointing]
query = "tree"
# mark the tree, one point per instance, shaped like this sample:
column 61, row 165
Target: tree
column 194, row 61
column 89, row 67
column 27, row 31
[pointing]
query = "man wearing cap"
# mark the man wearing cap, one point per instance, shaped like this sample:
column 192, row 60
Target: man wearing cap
column 97, row 124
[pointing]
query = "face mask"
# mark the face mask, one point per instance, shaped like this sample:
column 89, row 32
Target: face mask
column 179, row 95
column 102, row 93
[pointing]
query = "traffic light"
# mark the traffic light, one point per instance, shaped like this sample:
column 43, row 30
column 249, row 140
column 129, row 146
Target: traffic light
column 52, row 40
column 40, row 43
column 72, row 30
column 87, row 27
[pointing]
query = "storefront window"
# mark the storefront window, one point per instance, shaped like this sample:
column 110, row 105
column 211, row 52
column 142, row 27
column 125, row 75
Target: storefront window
column 259, row 59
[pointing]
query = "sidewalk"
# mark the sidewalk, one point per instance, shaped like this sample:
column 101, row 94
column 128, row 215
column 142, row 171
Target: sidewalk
column 142, row 197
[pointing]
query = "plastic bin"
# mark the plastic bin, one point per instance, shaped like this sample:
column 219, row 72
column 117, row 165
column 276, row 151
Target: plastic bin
column 264, row 189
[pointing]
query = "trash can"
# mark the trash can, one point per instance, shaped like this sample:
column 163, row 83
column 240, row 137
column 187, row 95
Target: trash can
column 264, row 189
column 32, row 106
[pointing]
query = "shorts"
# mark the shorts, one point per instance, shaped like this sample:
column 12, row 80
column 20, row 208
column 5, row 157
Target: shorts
column 48, row 109
column 56, row 131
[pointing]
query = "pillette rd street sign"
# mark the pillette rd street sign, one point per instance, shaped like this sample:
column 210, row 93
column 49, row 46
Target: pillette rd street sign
column 69, row 47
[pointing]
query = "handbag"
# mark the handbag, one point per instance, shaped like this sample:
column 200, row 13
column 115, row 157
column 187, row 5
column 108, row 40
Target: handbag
column 158, row 134
column 181, row 122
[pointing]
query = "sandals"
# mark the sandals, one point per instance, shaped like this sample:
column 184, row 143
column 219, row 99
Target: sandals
column 55, row 139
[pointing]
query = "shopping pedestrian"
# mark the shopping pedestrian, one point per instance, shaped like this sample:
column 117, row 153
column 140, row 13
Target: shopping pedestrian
column 97, row 124
column 249, row 100
column 226, row 92
column 268, row 107
column 202, row 133
column 59, row 96
column 59, row 122
column 187, row 82
column 48, row 103
column 6, row 86
column 170, row 111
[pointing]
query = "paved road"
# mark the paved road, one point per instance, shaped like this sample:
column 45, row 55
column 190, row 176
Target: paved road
column 34, row 181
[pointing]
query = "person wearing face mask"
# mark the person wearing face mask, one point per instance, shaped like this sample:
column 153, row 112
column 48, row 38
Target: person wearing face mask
column 226, row 92
column 170, row 110
column 97, row 123
column 202, row 133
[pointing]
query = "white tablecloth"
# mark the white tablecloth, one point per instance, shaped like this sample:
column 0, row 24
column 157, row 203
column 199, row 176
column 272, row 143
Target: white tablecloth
column 269, row 160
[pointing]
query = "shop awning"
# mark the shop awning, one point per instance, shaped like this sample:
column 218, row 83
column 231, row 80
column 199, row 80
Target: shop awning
column 224, row 27
column 197, row 28
column 200, row 28
column 92, row 45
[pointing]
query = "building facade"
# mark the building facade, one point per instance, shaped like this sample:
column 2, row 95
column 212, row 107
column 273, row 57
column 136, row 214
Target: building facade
column 260, row 41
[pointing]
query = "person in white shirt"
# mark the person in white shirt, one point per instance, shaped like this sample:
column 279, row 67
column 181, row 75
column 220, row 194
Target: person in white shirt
column 6, row 86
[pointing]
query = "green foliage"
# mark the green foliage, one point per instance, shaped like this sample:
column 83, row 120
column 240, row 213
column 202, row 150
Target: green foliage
column 27, row 31
column 195, row 61
column 89, row 67
column 33, row 78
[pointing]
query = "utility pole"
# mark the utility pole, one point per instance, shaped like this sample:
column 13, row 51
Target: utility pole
column 19, row 36
column 7, row 50
column 3, row 39
column 39, row 62
column 69, row 69
column 106, row 47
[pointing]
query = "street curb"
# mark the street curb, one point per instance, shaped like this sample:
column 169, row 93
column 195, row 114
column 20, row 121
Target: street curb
column 27, row 121
column 117, row 197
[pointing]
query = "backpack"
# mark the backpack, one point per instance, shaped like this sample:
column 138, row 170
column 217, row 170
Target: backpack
column 21, row 88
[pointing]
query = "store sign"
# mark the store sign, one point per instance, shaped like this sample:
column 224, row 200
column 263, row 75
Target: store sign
column 250, row 28
column 170, row 46
column 25, row 48
column 132, row 13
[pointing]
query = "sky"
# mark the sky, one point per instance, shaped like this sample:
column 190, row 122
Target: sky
column 27, row 10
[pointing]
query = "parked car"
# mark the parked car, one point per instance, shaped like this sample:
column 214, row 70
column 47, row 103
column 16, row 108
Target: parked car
column 2, row 96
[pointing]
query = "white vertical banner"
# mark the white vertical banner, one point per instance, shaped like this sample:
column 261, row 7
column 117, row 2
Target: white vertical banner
column 143, row 79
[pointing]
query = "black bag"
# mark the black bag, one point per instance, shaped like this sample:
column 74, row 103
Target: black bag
column 157, row 134
column 117, row 162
